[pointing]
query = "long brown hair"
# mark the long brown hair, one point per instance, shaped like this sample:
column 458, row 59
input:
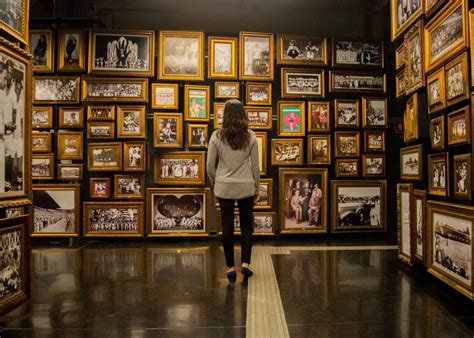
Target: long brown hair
column 234, row 129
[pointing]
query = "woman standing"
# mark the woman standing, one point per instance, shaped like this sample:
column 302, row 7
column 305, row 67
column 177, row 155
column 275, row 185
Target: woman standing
column 232, row 168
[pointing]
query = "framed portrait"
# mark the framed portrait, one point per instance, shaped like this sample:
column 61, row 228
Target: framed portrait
column 56, row 90
column 410, row 119
column 262, row 141
column 374, row 112
column 178, row 211
column 319, row 149
column 319, row 120
column 129, row 186
column 168, row 130
column 303, row 199
column 104, row 156
column 359, row 206
column 411, row 163
column 131, row 122
column 353, row 82
column 180, row 168
column 70, row 172
column 100, row 130
column 256, row 56
column 71, row 117
column 415, row 76
column 459, row 127
column 291, row 118
column 100, row 113
column 197, row 135
column 42, row 117
column 437, row 133
column 99, row 187
column 373, row 165
column 265, row 195
column 114, row 90
column 122, row 52
column 446, row 34
column 56, row 210
column 287, row 151
column 400, row 83
column 346, row 113
column 222, row 60
column 457, row 81
column 113, row 219
column 438, row 174
column 419, row 218
column 264, row 223
column 218, row 114
column 181, row 56
column 164, row 96
column 374, row 141
column 347, row 143
column 41, row 142
column 72, row 50
column 226, row 90
column 70, row 145
column 260, row 118
column 41, row 46
column 14, row 19
column 352, row 53
column 258, row 93
column 406, row 226
column 347, row 167
column 436, row 91
column 196, row 103
column 134, row 156
column 450, row 241
column 404, row 14
column 400, row 57
column 462, row 176
column 301, row 50
column 42, row 166
column 300, row 83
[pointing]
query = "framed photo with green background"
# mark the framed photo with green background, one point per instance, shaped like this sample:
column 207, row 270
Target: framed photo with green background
column 196, row 103
column 291, row 118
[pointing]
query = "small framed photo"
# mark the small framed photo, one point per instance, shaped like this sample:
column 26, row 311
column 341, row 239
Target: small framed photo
column 462, row 176
column 262, row 141
column 70, row 145
column 436, row 91
column 14, row 212
column 347, row 167
column 164, row 96
column 265, row 194
column 350, row 53
column 42, row 117
column 131, row 122
column 180, row 168
column 218, row 114
column 197, row 135
column 70, row 172
column 373, row 165
column 41, row 142
column 431, row 6
column 168, row 130
column 56, row 90
column 400, row 83
column 411, row 163
column 346, row 113
column 437, row 133
column 100, row 113
column 459, row 130
column 99, row 187
column 438, row 174
column 400, row 57
column 415, row 75
column 347, row 143
column 406, row 226
column 41, row 45
column 42, row 166
column 129, row 186
column 301, row 50
column 72, row 50
column 301, row 83
column 374, row 141
column 222, row 61
column 374, row 112
column 256, row 56
column 258, row 93
column 354, row 82
column 291, row 118
column 115, row 90
column 410, row 119
column 264, row 223
column 419, row 218
column 319, row 149
column 457, row 80
column 71, row 117
column 105, row 156
column 287, row 151
column 196, row 103
column 319, row 120
column 226, row 90
column 260, row 118
column 100, row 130
column 134, row 156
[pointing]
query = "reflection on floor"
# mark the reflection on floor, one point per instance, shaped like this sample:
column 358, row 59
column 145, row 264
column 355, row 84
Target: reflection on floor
column 179, row 289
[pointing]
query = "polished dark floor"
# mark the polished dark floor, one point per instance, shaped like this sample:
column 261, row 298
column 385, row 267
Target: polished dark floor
column 178, row 289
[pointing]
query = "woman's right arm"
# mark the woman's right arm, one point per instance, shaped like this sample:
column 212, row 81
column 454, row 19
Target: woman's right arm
column 211, row 160
column 255, row 166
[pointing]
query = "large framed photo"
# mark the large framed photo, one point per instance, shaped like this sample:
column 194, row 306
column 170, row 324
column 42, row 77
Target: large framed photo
column 181, row 56
column 410, row 119
column 197, row 135
column 459, row 126
column 42, row 166
column 404, row 14
column 359, row 206
column 347, row 143
column 462, row 176
column 286, row 151
column 134, row 156
column 131, row 121
column 222, row 61
column 357, row 53
column 71, row 117
column 180, row 168
column 419, row 218
column 72, row 50
column 100, row 130
column 41, row 117
column 436, row 91
column 374, row 141
column 56, row 210
column 303, row 200
column 100, row 113
column 15, row 18
column 318, row 116
column 262, row 141
column 291, row 118
column 450, row 238
column 406, row 226
column 258, row 93
column 226, row 90
column 256, row 56
column 164, row 96
column 374, row 112
column 346, row 113
column 113, row 219
column 56, row 90
column 129, row 186
column 115, row 90
column 415, row 76
column 168, row 130
column 437, row 133
column 41, row 44
column 70, row 172
column 373, row 165
column 347, row 167
column 178, row 211
column 259, row 117
column 353, row 82
column 438, row 174
column 100, row 187
column 411, row 163
column 70, row 144
column 122, row 52
column 105, row 156
column 297, row 82
column 319, row 149
column 196, row 103
column 41, row 142
column 457, row 80
column 301, row 50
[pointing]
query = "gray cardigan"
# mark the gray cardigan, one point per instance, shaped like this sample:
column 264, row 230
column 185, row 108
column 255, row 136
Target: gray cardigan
column 237, row 175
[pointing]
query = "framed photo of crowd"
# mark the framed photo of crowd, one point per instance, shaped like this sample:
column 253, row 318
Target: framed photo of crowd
column 115, row 90
column 300, row 83
column 353, row 53
column 56, row 90
column 180, row 167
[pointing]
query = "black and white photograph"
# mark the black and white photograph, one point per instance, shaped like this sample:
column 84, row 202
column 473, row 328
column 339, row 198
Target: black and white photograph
column 71, row 117
column 375, row 112
column 131, row 121
column 41, row 47
column 197, row 136
column 72, row 50
column 319, row 151
column 374, row 141
column 164, row 96
column 129, row 186
column 226, row 90
column 414, row 70
column 347, row 168
column 11, row 269
column 14, row 18
column 304, row 50
column 346, row 113
column 104, row 156
column 70, row 172
column 256, row 56
column 111, row 90
column 259, row 117
column 56, row 89
column 135, row 157
column 302, row 82
column 112, row 219
column 354, row 82
column 263, row 223
column 347, row 144
column 462, row 176
column 42, row 117
column 222, row 57
column 437, row 133
column 258, row 93
column 404, row 10
column 457, row 83
column 167, row 131
column 373, row 165
column 438, row 175
column 100, row 113
column 179, row 168
column 420, row 205
column 448, row 33
column 358, row 53
column 287, row 151
column 265, row 194
column 41, row 142
column 42, row 167
column 100, row 129
column 411, row 163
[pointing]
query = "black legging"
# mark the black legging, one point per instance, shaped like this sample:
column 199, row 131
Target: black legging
column 246, row 228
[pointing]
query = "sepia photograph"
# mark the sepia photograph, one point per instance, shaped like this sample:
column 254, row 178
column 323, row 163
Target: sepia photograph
column 405, row 208
column 129, row 186
column 196, row 103
column 41, row 142
column 410, row 119
column 70, row 172
column 58, row 89
column 400, row 57
column 265, row 194
column 197, row 135
column 291, row 118
column 168, row 130
column 256, row 56
column 99, row 187
column 164, row 96
column 462, row 176
column 347, row 167
column 100, row 130
column 374, row 112
column 297, row 82
column 14, row 18
column 70, row 145
column 131, row 122
column 374, row 141
column 222, row 60
column 264, row 223
column 420, row 224
column 218, row 114
column 346, row 113
column 117, row 89
column 436, row 91
column 438, row 174
column 42, row 166
column 319, row 120
column 260, row 118
column 258, row 93
column 106, row 156
column 400, row 84
column 262, row 142
column 287, row 151
column 457, row 81
column 42, row 117
column 71, row 117
column 353, row 81
column 459, row 131
column 403, row 14
column 373, row 165
column 319, row 149
column 357, row 53
column 100, row 113
column 411, row 162
column 226, row 90
column 437, row 133
column 72, row 50
column 180, row 168
column 301, row 50
column 415, row 76
column 134, row 156
column 41, row 46
column 347, row 143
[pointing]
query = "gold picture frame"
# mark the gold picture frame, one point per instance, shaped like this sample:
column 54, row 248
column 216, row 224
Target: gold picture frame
column 70, row 172
column 256, row 63
column 16, row 26
column 222, row 63
column 226, row 90
column 346, row 113
column 400, row 24
column 131, row 121
column 459, row 126
column 197, row 103
column 410, row 119
column 319, row 116
column 437, row 133
column 71, row 117
column 400, row 57
column 71, row 51
column 42, row 166
column 291, row 118
column 197, row 135
column 104, row 156
column 347, row 167
column 164, row 96
column 262, row 143
column 436, row 89
column 56, row 90
column 374, row 141
column 69, row 145
column 415, row 69
column 301, row 50
column 411, row 162
column 129, row 186
column 100, row 187
column 260, row 118
column 265, row 200
column 357, row 81
column 135, row 156
column 41, row 142
column 432, row 6
column 100, row 130
column 400, row 83
column 374, row 112
column 457, row 71
column 258, row 93
column 301, row 83
column 419, row 220
column 179, row 168
column 264, row 223
column 373, row 165
column 287, row 151
column 114, row 89
column 41, row 46
column 438, row 174
column 42, row 117
column 462, row 181
column 218, row 114
column 357, row 53
column 168, row 130
column 100, row 113
column 347, row 144
column 406, row 226
column 319, row 149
